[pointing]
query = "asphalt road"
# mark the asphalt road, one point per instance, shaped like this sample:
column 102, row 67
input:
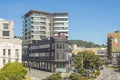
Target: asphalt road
column 109, row 74
column 37, row 74
column 106, row 74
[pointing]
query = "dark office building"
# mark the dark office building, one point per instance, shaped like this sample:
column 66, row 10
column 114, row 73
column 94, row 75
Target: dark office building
column 49, row 54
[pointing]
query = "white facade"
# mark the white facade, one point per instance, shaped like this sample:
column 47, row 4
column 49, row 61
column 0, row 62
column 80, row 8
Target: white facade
column 10, row 47
column 60, row 23
column 10, row 52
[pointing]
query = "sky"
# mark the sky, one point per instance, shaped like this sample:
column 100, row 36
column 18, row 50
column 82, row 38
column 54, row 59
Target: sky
column 89, row 20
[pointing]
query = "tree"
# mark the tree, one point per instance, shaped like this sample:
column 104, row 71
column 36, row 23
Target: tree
column 76, row 76
column 118, row 59
column 2, row 77
column 13, row 71
column 55, row 76
column 86, row 60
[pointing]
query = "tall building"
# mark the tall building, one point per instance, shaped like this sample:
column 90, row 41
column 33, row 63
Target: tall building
column 10, row 47
column 38, row 25
column 113, row 46
column 60, row 23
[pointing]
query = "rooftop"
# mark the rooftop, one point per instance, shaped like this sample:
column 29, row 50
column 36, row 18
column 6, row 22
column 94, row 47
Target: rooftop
column 35, row 11
column 2, row 19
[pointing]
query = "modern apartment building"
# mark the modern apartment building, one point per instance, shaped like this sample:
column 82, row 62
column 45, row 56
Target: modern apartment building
column 38, row 25
column 10, row 47
column 60, row 23
column 113, row 46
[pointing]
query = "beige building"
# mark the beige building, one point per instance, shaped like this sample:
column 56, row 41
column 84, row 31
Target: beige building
column 77, row 49
column 10, row 47
column 101, row 52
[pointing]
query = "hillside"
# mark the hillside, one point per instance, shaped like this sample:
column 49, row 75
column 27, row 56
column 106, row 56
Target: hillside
column 86, row 44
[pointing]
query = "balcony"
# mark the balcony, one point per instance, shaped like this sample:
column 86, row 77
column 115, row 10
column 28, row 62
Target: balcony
column 61, row 30
column 42, row 20
column 42, row 23
column 42, row 29
column 60, row 25
column 42, row 32
column 60, row 21
column 61, row 17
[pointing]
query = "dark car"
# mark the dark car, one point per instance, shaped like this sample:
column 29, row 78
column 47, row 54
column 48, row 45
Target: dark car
column 66, row 78
column 101, row 68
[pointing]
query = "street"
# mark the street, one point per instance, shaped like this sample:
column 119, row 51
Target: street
column 109, row 74
column 106, row 74
column 37, row 74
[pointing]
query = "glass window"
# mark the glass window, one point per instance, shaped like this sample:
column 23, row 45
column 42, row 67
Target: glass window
column 58, row 24
column 36, row 32
column 42, row 32
column 9, row 52
column 57, row 45
column 5, row 33
column 5, row 25
column 60, row 45
column 55, row 32
column 36, row 23
column 60, row 28
column 63, row 46
column 61, row 65
column 57, row 55
column 63, row 55
column 36, row 18
column 4, row 52
column 42, row 37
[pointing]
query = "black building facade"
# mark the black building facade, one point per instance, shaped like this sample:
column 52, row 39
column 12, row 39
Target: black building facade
column 49, row 55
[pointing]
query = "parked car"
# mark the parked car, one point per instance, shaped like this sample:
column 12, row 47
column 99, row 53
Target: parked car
column 101, row 68
column 66, row 78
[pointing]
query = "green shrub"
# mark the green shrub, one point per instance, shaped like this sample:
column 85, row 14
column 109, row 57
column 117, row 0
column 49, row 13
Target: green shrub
column 83, row 72
column 98, row 73
column 13, row 71
column 83, row 78
column 2, row 77
column 74, row 76
column 56, row 76
column 77, row 76
column 93, row 75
